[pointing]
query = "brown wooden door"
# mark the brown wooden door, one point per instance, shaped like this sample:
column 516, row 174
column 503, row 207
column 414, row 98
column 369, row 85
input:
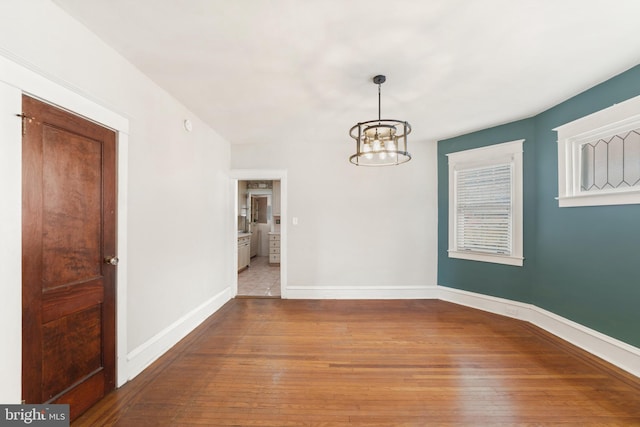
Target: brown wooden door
column 68, row 229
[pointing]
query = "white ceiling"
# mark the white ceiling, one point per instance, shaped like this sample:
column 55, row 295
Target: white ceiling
column 263, row 71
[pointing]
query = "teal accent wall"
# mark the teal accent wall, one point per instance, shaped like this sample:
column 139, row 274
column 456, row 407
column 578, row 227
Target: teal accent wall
column 582, row 263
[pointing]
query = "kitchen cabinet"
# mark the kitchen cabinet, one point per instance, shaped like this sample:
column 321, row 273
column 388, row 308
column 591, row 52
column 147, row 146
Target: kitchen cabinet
column 244, row 251
column 242, row 198
column 274, row 248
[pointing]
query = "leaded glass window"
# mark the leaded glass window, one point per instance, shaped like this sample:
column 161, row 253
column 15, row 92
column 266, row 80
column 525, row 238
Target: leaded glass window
column 610, row 163
column 599, row 157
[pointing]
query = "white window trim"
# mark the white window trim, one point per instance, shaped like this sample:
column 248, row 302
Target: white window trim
column 616, row 119
column 507, row 152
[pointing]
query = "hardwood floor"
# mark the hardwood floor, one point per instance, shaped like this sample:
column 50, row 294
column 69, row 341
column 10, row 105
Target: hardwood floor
column 273, row 362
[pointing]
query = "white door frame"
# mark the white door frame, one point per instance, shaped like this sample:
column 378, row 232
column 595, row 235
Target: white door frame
column 260, row 175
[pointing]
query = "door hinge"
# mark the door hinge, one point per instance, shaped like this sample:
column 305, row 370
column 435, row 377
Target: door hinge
column 24, row 122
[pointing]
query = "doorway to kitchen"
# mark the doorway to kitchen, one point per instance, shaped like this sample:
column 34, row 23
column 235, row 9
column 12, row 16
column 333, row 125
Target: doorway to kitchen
column 259, row 238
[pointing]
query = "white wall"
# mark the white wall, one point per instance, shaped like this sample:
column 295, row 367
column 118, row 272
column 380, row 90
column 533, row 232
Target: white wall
column 179, row 225
column 10, row 247
column 362, row 232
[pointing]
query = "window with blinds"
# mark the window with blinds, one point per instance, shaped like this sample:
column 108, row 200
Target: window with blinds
column 485, row 204
column 484, row 210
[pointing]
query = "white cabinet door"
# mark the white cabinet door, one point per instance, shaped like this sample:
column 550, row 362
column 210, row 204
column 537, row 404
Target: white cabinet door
column 244, row 252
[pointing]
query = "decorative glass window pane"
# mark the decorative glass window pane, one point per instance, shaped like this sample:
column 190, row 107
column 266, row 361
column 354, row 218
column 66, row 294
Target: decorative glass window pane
column 588, row 167
column 632, row 159
column 610, row 163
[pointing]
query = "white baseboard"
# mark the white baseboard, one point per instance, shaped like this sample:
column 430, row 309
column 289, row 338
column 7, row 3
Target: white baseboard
column 618, row 353
column 361, row 292
column 144, row 355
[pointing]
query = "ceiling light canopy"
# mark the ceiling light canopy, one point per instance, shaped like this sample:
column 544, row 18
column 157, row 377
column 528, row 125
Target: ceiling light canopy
column 380, row 142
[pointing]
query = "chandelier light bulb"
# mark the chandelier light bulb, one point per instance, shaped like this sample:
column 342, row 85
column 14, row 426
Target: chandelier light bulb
column 392, row 147
column 366, row 149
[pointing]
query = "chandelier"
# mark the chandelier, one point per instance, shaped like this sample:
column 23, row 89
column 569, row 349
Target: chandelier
column 380, row 142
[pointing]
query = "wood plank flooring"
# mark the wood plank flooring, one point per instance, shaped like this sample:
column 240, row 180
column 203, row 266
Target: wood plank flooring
column 272, row 362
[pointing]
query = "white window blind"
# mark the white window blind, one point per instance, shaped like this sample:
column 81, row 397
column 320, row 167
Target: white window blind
column 484, row 211
column 485, row 204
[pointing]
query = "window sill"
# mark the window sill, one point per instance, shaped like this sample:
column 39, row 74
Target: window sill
column 600, row 199
column 496, row 259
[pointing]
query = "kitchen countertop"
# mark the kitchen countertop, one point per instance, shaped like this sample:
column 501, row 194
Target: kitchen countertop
column 243, row 234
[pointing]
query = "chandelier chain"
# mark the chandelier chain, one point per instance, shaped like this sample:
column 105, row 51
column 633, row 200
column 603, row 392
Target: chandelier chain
column 379, row 101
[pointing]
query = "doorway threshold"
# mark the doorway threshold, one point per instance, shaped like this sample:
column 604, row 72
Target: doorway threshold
column 257, row 297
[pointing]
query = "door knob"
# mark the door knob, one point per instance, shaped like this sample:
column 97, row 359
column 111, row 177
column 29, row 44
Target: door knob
column 111, row 260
